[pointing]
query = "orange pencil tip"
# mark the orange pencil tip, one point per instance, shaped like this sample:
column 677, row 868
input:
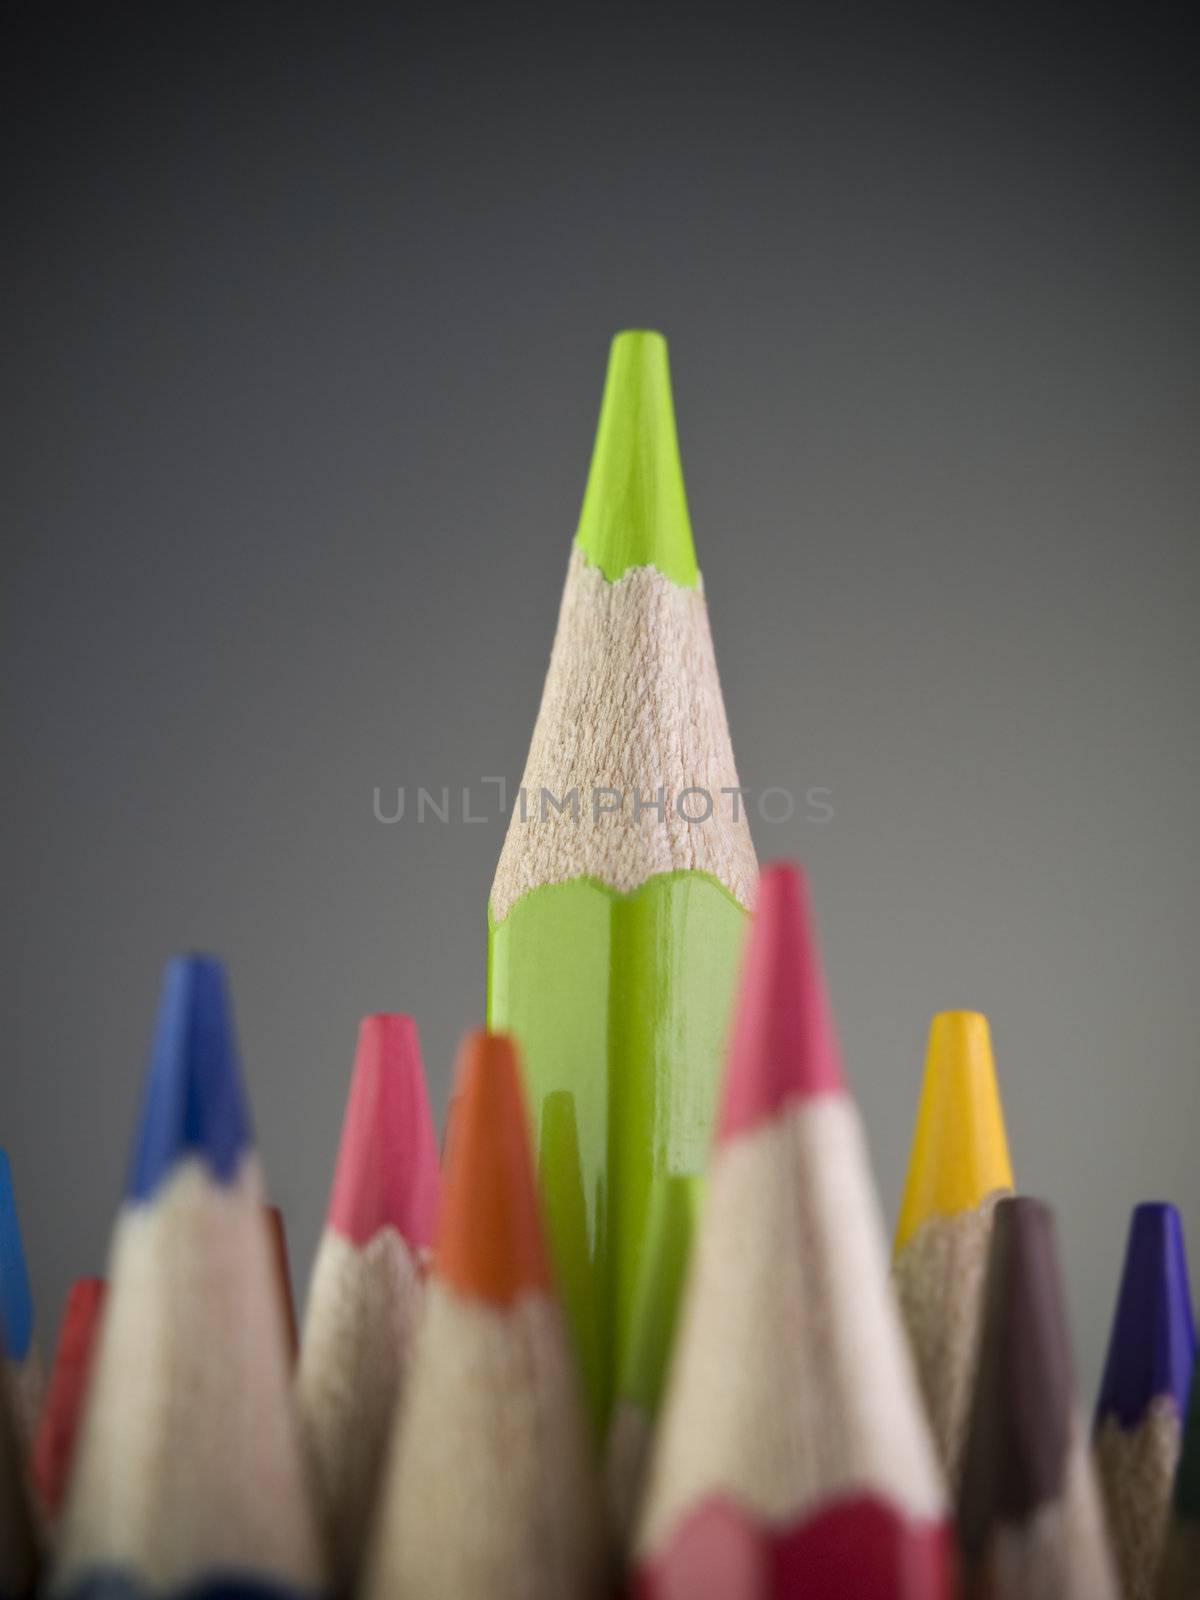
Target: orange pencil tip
column 490, row 1239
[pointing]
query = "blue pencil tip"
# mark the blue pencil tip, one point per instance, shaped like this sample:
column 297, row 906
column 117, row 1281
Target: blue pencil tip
column 193, row 1104
column 1153, row 1340
column 16, row 1303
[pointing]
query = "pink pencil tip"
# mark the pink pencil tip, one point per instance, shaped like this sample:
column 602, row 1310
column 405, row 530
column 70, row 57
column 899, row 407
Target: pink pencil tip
column 387, row 1167
column 783, row 1045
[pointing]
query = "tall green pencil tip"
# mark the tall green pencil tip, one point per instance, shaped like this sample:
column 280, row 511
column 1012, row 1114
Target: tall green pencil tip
column 635, row 510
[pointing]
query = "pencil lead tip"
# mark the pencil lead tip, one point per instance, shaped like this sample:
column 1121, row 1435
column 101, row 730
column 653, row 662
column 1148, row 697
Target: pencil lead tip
column 194, row 1105
column 16, row 1301
column 635, row 511
column 1153, row 1341
column 387, row 1168
column 490, row 1240
column 784, row 1046
column 959, row 1149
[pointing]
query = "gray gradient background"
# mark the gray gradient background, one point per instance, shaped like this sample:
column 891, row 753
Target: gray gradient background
column 306, row 323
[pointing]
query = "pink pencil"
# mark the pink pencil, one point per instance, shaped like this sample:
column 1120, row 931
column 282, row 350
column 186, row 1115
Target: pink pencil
column 793, row 1458
column 366, row 1284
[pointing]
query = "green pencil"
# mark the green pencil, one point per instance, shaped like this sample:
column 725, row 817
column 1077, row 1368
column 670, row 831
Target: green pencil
column 620, row 898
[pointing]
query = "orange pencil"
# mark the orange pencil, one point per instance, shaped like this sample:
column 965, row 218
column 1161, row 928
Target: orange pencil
column 491, row 1488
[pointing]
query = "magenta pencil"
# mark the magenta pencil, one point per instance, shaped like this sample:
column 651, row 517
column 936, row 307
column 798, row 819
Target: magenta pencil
column 366, row 1285
column 793, row 1458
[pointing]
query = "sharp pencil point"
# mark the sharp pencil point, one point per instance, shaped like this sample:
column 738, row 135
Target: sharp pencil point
column 387, row 1169
column 194, row 1104
column 959, row 1149
column 635, row 510
column 784, row 1044
column 1153, row 1342
column 490, row 1241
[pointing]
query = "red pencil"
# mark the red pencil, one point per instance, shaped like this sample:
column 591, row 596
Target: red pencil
column 54, row 1446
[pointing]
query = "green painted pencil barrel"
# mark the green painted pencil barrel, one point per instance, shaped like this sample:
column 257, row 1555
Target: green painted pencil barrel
column 620, row 1005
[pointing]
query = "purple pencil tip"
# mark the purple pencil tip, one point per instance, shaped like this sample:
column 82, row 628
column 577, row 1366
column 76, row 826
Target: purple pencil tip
column 1153, row 1340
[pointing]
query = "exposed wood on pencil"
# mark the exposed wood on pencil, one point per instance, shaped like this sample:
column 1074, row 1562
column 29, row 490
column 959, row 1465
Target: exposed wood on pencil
column 1031, row 1524
column 957, row 1169
column 54, row 1447
column 188, row 1463
column 491, row 1488
column 365, row 1292
column 1143, row 1395
column 793, row 1455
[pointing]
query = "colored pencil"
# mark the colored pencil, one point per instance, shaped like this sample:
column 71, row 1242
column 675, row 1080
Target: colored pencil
column 957, row 1169
column 22, row 1363
column 18, row 1541
column 1179, row 1578
column 277, row 1237
column 1031, row 1523
column 615, row 924
column 54, row 1446
column 491, row 1488
column 188, row 1471
column 793, row 1457
column 1144, row 1394
column 366, row 1283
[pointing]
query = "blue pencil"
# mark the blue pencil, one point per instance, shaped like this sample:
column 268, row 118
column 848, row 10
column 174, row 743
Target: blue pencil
column 1144, row 1393
column 188, row 1474
column 22, row 1366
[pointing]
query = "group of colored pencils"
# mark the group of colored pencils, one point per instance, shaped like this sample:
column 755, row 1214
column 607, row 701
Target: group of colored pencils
column 635, row 1330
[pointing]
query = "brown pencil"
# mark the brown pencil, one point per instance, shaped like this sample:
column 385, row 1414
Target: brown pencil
column 1030, row 1521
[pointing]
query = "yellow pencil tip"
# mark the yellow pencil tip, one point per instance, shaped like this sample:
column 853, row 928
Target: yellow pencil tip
column 959, row 1149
